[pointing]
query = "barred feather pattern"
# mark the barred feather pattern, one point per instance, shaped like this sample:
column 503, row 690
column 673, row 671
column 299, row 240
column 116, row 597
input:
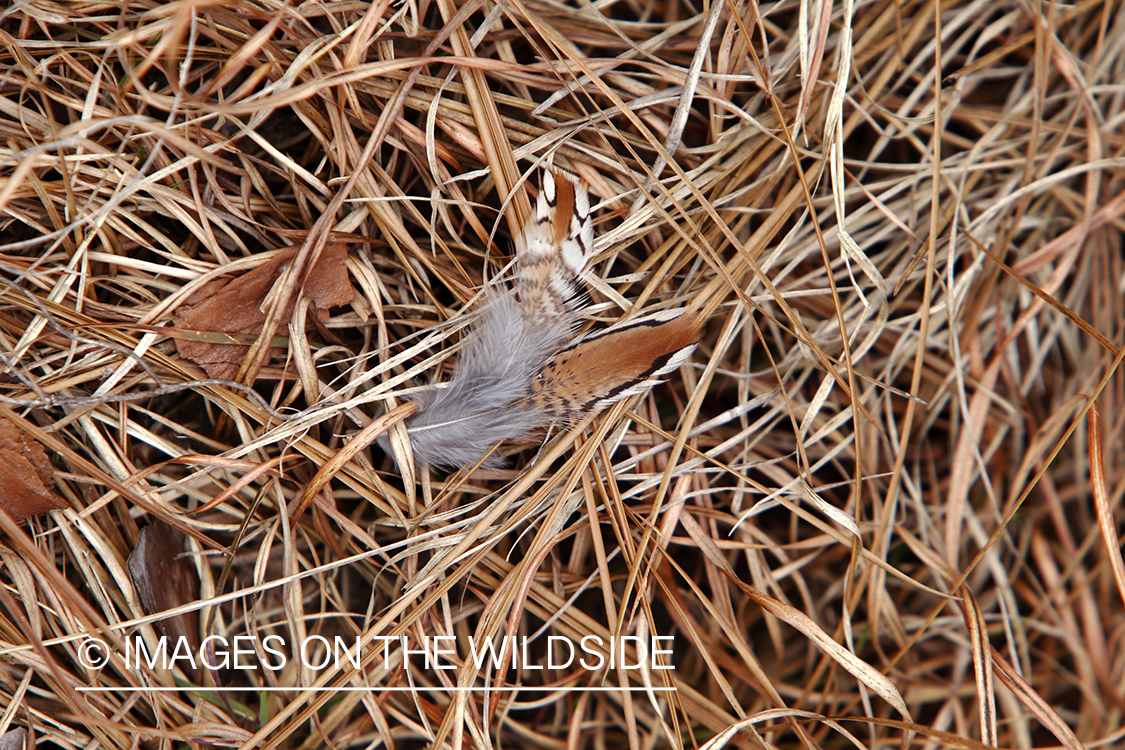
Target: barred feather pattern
column 553, row 249
column 604, row 367
column 519, row 372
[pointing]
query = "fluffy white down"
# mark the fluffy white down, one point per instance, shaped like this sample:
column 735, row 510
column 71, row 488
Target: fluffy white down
column 486, row 401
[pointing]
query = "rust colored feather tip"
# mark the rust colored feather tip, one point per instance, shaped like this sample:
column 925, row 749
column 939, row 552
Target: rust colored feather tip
column 604, row 367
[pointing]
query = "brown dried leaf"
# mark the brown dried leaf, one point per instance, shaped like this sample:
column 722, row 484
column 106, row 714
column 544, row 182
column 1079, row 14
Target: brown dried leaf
column 235, row 306
column 164, row 580
column 15, row 739
column 26, row 487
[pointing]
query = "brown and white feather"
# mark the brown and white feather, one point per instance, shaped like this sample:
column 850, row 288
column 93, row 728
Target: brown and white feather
column 519, row 371
column 553, row 249
column 604, row 367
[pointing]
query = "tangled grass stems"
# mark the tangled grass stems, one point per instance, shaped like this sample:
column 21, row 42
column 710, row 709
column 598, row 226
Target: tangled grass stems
column 866, row 511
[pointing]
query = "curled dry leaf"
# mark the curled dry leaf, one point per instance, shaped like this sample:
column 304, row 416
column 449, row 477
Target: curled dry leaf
column 165, row 580
column 237, row 306
column 26, row 487
column 14, row 739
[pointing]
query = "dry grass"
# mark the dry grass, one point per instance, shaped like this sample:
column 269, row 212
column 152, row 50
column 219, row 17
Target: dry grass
column 877, row 504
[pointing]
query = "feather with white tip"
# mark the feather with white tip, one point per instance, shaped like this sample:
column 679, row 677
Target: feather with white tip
column 519, row 372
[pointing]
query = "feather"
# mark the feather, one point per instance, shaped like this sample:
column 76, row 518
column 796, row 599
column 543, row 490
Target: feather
column 553, row 249
column 519, row 371
column 607, row 366
column 487, row 401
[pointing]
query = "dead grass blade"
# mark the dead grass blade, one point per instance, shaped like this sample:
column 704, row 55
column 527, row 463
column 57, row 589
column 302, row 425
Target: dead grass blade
column 901, row 221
